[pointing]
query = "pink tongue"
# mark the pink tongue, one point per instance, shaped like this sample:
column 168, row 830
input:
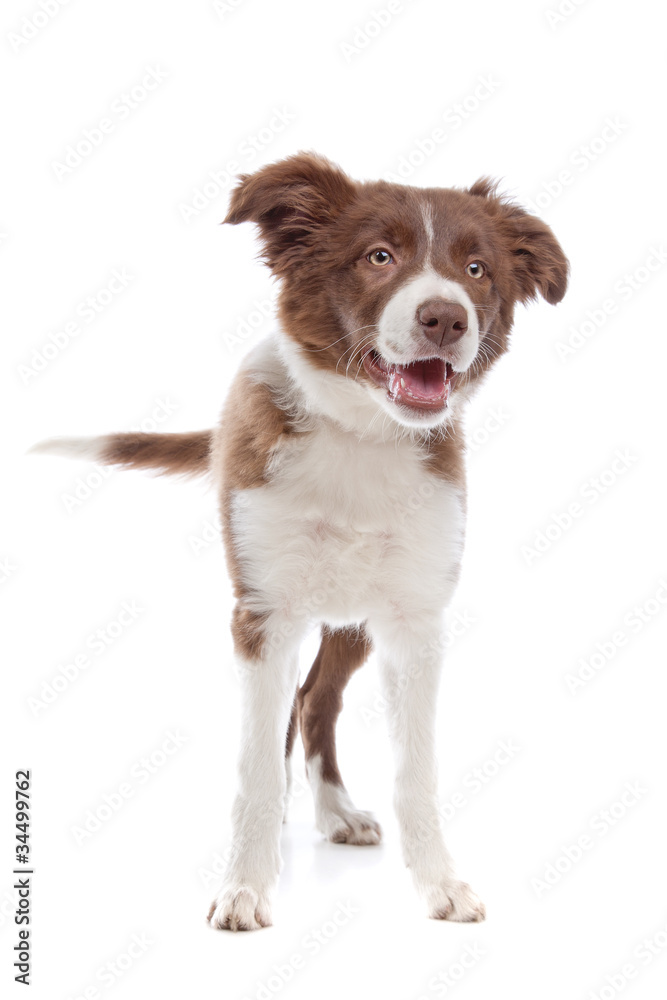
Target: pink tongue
column 423, row 379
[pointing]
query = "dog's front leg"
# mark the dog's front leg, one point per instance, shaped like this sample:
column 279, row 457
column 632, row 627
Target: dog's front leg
column 410, row 671
column 268, row 683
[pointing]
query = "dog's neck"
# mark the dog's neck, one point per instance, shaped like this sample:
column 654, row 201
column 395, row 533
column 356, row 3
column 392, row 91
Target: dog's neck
column 309, row 393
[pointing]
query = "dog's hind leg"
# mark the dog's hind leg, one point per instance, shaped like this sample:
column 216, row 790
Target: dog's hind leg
column 292, row 731
column 320, row 701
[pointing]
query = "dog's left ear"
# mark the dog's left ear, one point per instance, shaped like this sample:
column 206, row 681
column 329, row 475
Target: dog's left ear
column 539, row 264
column 290, row 201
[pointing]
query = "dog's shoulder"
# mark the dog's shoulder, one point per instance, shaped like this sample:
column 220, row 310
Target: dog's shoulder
column 256, row 417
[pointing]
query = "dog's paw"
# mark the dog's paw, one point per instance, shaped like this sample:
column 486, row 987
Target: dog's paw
column 454, row 900
column 350, row 826
column 336, row 815
column 240, row 909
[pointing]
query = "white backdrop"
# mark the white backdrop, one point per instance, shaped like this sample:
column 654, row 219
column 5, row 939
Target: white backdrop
column 126, row 304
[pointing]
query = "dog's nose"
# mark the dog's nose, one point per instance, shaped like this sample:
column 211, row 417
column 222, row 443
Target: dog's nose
column 442, row 322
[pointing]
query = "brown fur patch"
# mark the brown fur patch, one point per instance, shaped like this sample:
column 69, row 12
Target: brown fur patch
column 321, row 698
column 248, row 632
column 181, row 454
column 446, row 456
column 293, row 727
column 252, row 426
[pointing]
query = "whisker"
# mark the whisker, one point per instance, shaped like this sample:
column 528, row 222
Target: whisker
column 360, row 348
column 371, row 423
column 353, row 348
column 318, row 350
column 361, row 361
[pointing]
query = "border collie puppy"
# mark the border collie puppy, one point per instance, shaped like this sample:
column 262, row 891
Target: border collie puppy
column 339, row 462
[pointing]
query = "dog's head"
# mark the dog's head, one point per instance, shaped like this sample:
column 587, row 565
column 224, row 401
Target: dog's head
column 408, row 292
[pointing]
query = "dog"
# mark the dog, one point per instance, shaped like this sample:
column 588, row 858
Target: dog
column 339, row 461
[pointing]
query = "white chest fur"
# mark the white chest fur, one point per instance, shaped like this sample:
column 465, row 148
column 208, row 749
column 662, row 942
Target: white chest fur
column 346, row 529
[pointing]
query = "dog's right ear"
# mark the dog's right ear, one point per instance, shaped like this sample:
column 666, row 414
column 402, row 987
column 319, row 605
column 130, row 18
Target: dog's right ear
column 290, row 201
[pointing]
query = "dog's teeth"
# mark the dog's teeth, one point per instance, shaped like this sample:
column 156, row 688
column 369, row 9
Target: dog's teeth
column 402, row 383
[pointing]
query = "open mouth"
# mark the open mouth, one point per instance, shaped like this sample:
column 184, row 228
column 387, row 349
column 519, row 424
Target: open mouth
column 421, row 385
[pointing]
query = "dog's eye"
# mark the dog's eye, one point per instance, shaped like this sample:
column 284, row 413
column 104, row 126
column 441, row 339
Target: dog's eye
column 475, row 269
column 380, row 257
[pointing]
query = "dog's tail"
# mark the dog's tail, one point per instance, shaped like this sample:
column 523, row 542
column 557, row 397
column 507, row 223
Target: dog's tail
column 178, row 454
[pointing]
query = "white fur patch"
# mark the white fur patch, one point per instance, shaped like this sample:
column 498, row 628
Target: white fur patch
column 321, row 393
column 427, row 216
column 88, row 449
column 400, row 340
column 335, row 813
